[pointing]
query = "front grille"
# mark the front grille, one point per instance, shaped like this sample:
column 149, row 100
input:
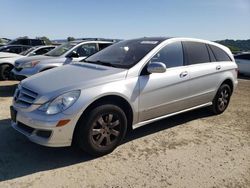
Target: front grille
column 24, row 97
column 25, row 128
column 43, row 133
column 29, row 130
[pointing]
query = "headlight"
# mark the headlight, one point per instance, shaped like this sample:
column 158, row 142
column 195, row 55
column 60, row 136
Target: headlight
column 30, row 64
column 61, row 103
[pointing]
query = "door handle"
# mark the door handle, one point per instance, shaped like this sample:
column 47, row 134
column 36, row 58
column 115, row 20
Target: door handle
column 183, row 74
column 218, row 67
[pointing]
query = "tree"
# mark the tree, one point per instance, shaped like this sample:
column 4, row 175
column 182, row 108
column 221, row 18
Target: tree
column 46, row 39
column 70, row 38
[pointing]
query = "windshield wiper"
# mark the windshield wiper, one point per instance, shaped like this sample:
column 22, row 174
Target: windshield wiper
column 100, row 63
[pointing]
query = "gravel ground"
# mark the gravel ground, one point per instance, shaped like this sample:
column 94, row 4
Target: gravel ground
column 195, row 149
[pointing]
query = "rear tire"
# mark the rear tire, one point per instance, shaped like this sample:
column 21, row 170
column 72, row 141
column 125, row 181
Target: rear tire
column 221, row 99
column 5, row 71
column 102, row 130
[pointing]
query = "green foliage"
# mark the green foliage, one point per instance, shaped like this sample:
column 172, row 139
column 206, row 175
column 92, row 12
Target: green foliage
column 236, row 45
column 46, row 39
column 70, row 38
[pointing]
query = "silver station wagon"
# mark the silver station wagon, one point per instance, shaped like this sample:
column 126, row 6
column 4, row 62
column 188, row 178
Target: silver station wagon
column 129, row 84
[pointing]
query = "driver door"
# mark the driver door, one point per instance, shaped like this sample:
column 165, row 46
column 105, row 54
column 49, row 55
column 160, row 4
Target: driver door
column 164, row 93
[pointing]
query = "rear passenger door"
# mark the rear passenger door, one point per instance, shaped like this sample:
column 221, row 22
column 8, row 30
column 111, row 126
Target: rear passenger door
column 203, row 71
column 164, row 93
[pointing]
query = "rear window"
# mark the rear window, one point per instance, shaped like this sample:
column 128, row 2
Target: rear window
column 220, row 54
column 196, row 52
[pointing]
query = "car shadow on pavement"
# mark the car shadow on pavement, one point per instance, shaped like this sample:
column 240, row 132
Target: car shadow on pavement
column 20, row 157
column 8, row 90
column 167, row 123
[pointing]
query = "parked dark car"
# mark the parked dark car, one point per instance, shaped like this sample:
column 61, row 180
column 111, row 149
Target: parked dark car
column 243, row 62
column 17, row 49
column 29, row 42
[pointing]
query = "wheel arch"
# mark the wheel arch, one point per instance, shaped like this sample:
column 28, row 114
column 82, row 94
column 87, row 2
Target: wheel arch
column 7, row 63
column 229, row 82
column 11, row 67
column 108, row 99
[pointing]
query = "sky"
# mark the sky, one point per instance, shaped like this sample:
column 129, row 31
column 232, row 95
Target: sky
column 125, row 19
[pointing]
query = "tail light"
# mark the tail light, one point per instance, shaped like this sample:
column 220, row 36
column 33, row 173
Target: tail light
column 237, row 71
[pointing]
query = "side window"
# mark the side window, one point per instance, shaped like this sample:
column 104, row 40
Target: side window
column 211, row 54
column 24, row 48
column 196, row 52
column 42, row 51
column 7, row 50
column 24, row 41
column 86, row 49
column 220, row 54
column 171, row 55
column 13, row 50
column 36, row 42
column 103, row 45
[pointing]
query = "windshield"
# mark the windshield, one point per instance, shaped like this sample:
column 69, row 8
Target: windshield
column 26, row 52
column 12, row 42
column 124, row 54
column 60, row 50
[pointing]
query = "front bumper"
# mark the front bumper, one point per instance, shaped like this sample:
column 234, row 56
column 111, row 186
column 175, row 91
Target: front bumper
column 43, row 131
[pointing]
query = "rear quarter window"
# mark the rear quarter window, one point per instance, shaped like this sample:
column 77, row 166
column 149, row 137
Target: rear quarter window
column 195, row 52
column 219, row 54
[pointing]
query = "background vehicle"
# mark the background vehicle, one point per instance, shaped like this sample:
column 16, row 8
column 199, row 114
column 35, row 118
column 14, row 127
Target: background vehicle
column 127, row 85
column 7, row 54
column 4, row 41
column 61, row 55
column 243, row 62
column 17, row 49
column 7, row 61
column 27, row 41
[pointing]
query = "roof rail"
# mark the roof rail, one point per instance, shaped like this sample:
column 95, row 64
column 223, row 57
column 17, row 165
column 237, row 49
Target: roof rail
column 99, row 39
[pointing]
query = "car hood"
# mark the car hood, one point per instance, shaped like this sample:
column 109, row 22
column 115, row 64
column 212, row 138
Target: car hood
column 43, row 60
column 74, row 76
column 7, row 55
column 34, row 58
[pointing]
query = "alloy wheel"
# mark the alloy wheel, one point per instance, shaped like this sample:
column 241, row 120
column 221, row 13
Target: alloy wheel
column 105, row 130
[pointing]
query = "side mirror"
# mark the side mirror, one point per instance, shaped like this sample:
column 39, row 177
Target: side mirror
column 73, row 54
column 156, row 67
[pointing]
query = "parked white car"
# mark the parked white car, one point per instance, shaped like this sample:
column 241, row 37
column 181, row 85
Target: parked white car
column 124, row 86
column 243, row 62
column 8, row 55
column 7, row 60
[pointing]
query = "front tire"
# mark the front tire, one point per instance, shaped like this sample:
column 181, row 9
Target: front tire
column 221, row 99
column 102, row 130
column 5, row 71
